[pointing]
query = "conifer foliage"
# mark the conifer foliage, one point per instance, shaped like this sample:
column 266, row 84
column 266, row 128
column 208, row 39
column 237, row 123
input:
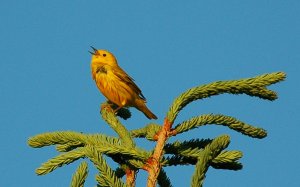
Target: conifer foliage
column 202, row 153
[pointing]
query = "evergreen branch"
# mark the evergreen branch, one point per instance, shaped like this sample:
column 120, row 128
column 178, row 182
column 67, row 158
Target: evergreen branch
column 228, row 160
column 148, row 132
column 177, row 147
column 225, row 160
column 124, row 134
column 69, row 139
column 219, row 119
column 210, row 152
column 53, row 138
column 100, row 139
column 107, row 174
column 130, row 176
column 68, row 146
column 163, row 180
column 227, row 157
column 229, row 166
column 124, row 151
column 60, row 160
column 178, row 160
column 187, row 152
column 126, row 162
column 136, row 163
column 101, row 181
column 201, row 153
column 80, row 175
column 153, row 165
column 246, row 86
column 255, row 86
column 116, row 125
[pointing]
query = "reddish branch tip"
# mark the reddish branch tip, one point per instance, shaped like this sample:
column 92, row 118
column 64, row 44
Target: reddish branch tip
column 150, row 163
column 173, row 132
column 167, row 124
column 130, row 177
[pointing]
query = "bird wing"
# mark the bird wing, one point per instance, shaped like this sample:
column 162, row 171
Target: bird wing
column 123, row 76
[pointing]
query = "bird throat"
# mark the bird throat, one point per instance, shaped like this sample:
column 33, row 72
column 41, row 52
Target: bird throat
column 101, row 69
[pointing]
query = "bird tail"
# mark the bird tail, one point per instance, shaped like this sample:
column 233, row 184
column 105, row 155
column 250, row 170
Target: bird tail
column 141, row 106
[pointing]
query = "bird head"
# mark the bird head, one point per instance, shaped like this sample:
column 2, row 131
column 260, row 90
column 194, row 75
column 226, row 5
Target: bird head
column 102, row 56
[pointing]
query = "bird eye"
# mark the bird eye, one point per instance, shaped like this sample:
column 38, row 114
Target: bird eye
column 104, row 55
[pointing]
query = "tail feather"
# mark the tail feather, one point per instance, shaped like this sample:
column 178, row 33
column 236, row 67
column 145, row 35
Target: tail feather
column 141, row 106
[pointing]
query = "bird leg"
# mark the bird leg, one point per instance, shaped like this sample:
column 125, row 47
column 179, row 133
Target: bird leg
column 116, row 110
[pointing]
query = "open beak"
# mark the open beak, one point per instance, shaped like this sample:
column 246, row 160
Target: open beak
column 94, row 52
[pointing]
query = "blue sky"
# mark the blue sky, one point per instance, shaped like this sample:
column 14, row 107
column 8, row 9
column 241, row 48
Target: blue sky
column 167, row 47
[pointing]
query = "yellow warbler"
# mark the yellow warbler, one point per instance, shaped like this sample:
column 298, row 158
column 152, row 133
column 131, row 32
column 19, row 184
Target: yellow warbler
column 115, row 84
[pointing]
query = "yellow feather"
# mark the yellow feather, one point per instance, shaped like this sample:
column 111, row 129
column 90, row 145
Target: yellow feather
column 115, row 84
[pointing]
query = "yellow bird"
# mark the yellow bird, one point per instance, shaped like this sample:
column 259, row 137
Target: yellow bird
column 115, row 84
